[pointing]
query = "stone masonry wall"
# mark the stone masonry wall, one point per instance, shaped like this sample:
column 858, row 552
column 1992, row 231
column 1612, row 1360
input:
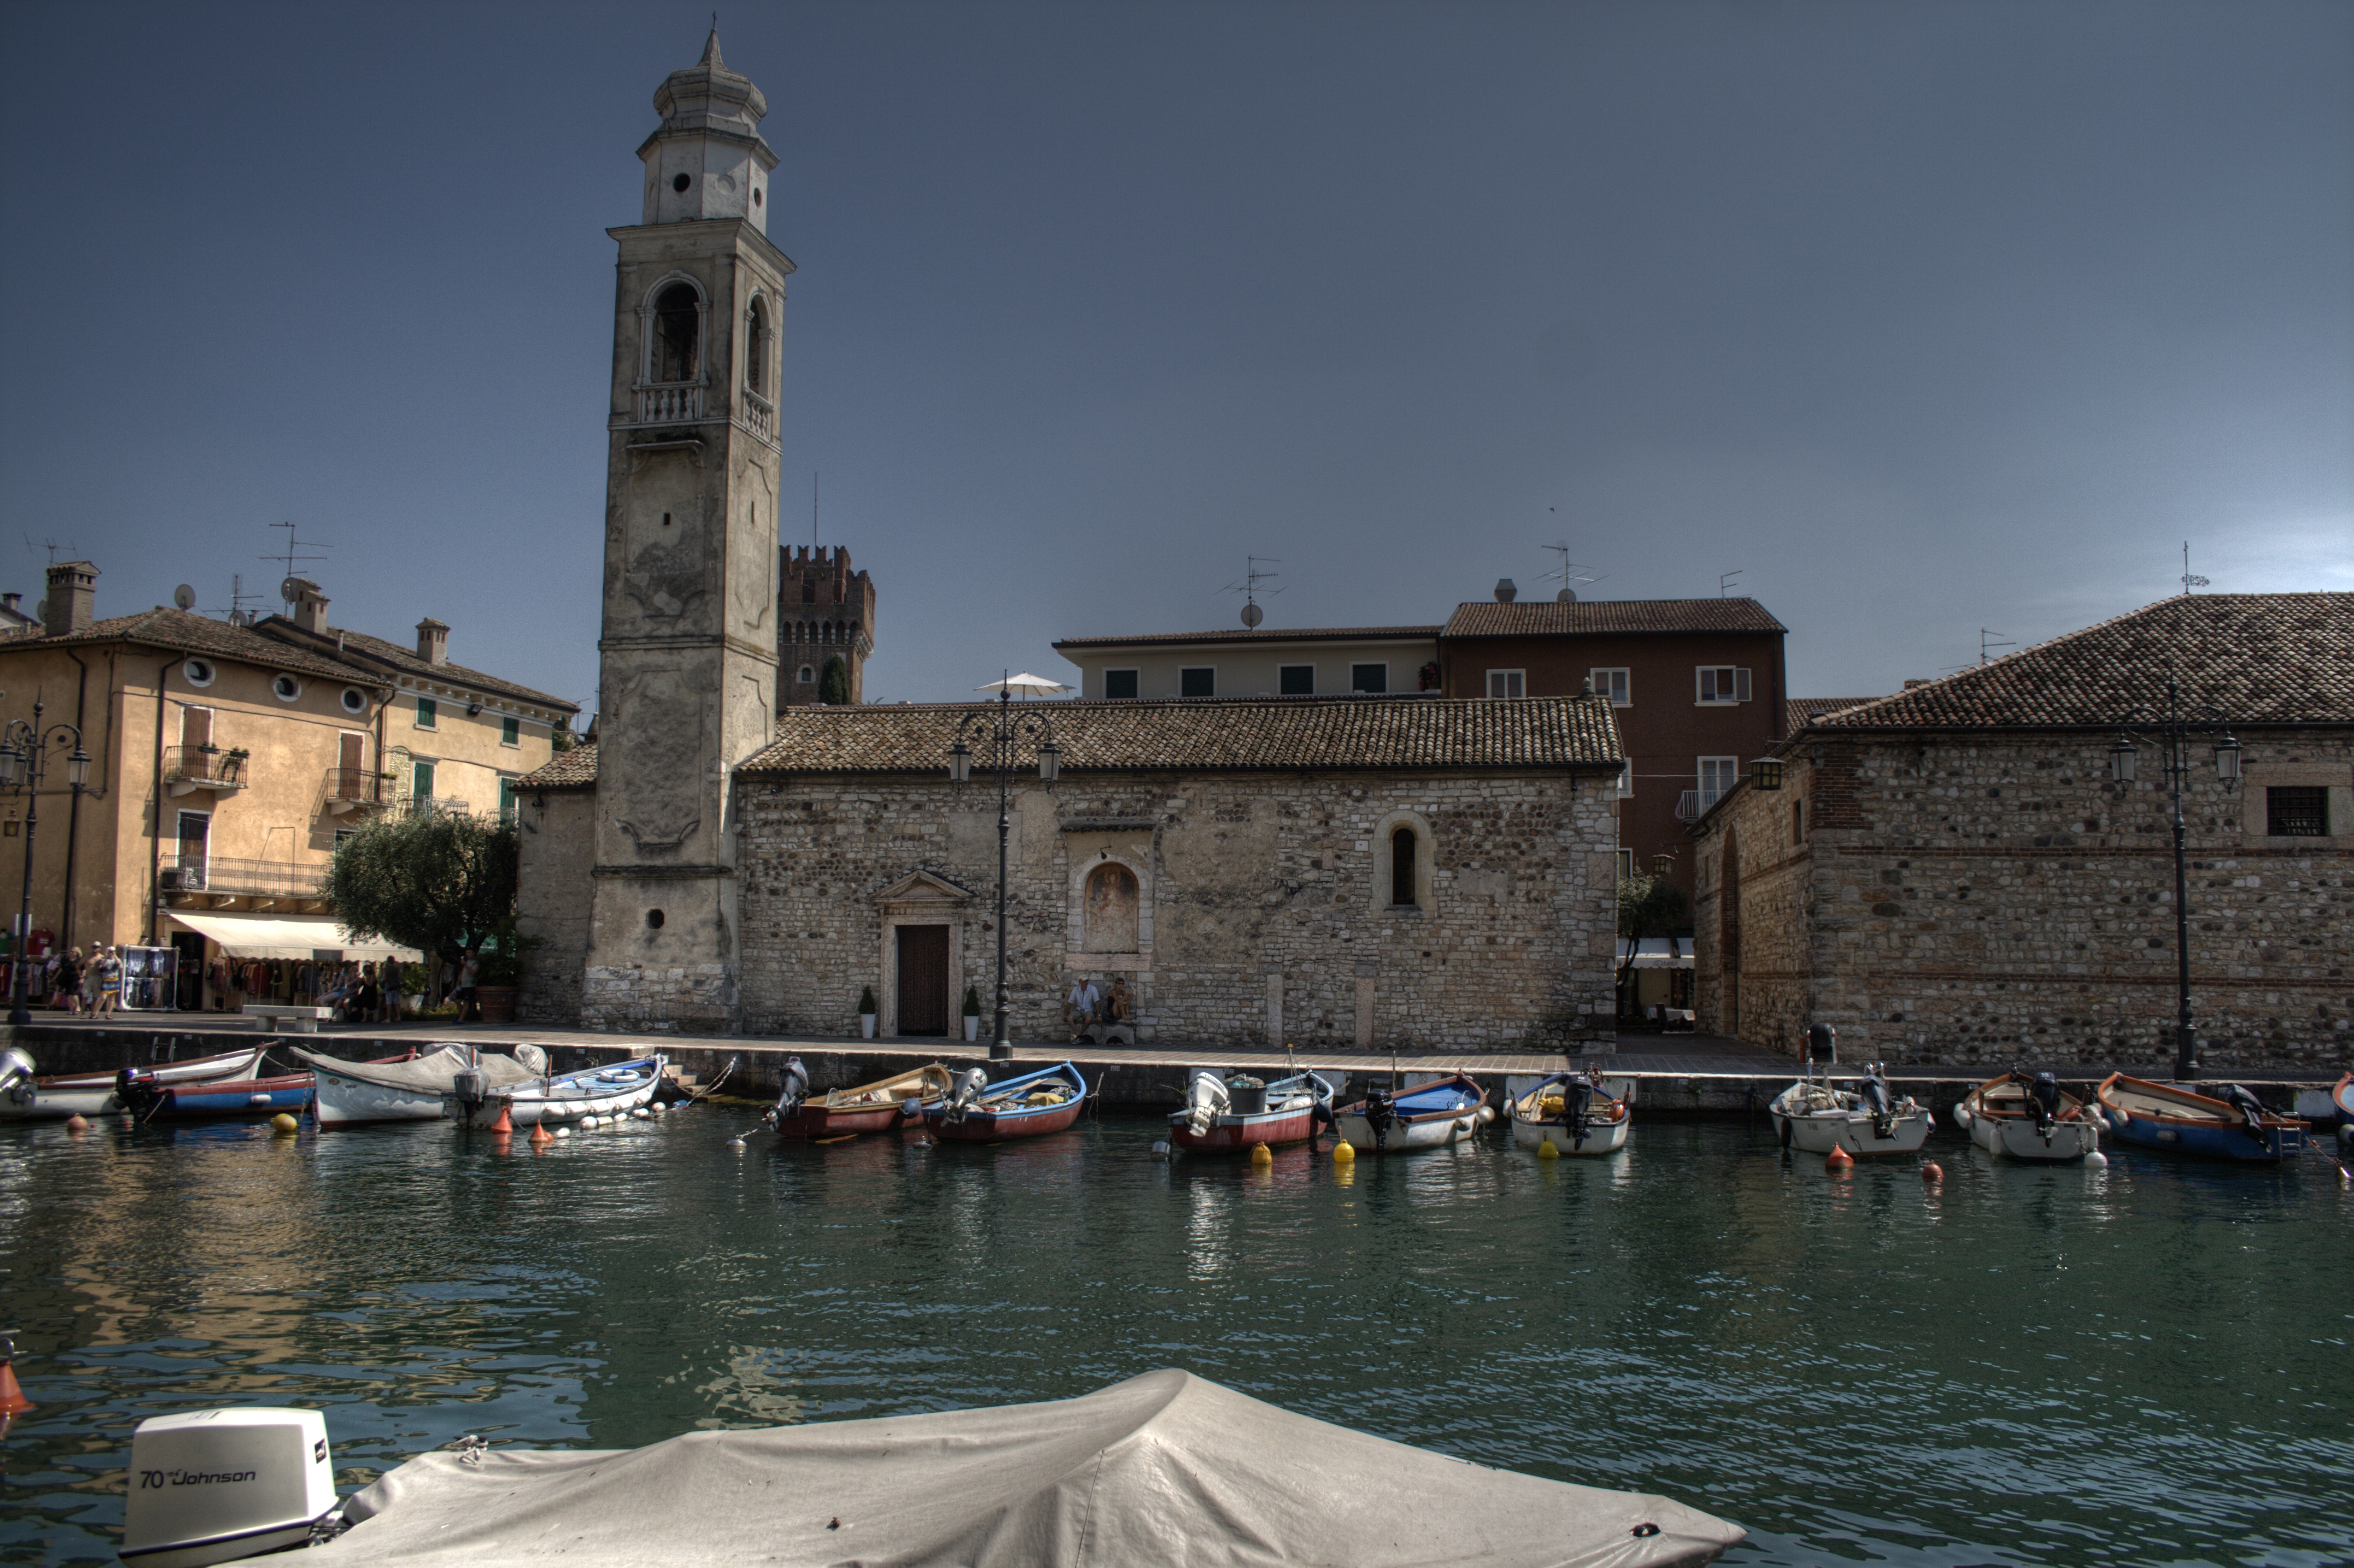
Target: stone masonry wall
column 1258, row 897
column 553, row 885
column 1985, row 899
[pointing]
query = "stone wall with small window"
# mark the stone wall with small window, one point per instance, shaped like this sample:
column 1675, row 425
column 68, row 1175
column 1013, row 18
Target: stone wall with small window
column 1982, row 899
column 1265, row 904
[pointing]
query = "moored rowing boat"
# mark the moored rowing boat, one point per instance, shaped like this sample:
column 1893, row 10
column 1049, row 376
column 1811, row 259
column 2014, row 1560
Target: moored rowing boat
column 26, row 1098
column 415, row 1087
column 2183, row 1121
column 1424, row 1115
column 1031, row 1105
column 874, row 1107
column 1576, row 1114
column 2029, row 1119
column 614, row 1090
column 1231, row 1115
column 1813, row 1116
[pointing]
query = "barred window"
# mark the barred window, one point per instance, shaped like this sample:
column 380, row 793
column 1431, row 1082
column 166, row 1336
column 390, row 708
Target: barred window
column 2296, row 812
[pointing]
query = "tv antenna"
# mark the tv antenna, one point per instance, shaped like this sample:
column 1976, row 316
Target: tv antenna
column 1249, row 587
column 1724, row 582
column 1989, row 640
column 236, row 613
column 1569, row 573
column 300, row 553
column 2190, row 579
column 51, row 546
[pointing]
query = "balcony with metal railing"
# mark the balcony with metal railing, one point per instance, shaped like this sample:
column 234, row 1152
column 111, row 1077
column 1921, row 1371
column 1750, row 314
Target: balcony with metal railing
column 351, row 789
column 670, row 403
column 447, row 805
column 187, row 768
column 1694, row 804
column 226, row 874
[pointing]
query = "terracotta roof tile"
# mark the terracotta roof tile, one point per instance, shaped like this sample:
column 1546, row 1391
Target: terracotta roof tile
column 1549, row 618
column 1213, row 734
column 188, row 632
column 1264, row 634
column 406, row 662
column 2273, row 657
column 1800, row 712
column 573, row 770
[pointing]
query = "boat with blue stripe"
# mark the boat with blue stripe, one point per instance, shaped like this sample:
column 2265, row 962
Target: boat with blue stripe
column 1036, row 1104
column 2183, row 1121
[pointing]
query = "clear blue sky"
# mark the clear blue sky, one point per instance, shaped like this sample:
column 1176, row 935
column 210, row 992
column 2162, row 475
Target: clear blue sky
column 1928, row 317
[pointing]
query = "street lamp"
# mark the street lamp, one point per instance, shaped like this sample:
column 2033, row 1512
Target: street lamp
column 24, row 761
column 2171, row 731
column 998, row 732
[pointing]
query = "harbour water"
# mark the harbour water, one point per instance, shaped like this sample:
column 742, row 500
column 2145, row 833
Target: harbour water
column 2147, row 1363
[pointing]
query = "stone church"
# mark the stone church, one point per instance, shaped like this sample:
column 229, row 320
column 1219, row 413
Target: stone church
column 737, row 855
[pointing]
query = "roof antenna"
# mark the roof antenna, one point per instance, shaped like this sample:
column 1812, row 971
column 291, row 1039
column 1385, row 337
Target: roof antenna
column 1989, row 640
column 297, row 553
column 1569, row 573
column 814, row 545
column 1249, row 587
column 236, row 614
column 51, row 546
column 2189, row 580
column 1724, row 583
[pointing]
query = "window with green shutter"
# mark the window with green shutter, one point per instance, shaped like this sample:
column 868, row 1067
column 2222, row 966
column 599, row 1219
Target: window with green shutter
column 426, row 713
column 421, row 784
column 510, row 732
column 506, row 796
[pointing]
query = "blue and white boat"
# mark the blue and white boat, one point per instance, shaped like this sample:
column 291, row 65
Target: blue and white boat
column 616, row 1090
column 1423, row 1115
column 1036, row 1104
column 2180, row 1121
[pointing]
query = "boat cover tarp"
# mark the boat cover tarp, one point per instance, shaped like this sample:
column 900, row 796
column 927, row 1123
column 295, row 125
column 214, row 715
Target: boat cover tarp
column 1164, row 1469
column 429, row 1075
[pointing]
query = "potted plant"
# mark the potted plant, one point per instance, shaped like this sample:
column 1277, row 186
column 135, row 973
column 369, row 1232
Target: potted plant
column 866, row 1011
column 412, row 987
column 971, row 1013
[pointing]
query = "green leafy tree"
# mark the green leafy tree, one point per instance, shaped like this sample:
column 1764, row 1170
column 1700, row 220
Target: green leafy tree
column 437, row 880
column 1648, row 906
column 834, row 683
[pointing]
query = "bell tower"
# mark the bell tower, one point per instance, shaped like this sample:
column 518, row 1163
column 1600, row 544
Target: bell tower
column 688, row 650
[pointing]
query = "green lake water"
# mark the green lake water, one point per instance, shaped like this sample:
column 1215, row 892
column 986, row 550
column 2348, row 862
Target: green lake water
column 2143, row 1364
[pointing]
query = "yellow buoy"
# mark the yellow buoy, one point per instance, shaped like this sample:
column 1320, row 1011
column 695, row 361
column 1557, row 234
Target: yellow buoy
column 1344, row 1152
column 1545, row 1151
column 1262, row 1155
column 284, row 1123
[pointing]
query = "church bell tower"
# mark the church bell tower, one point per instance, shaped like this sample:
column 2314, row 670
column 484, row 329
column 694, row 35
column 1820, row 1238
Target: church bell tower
column 688, row 653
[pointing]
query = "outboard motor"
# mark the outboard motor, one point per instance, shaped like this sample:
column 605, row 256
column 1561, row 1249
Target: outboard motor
column 1206, row 1099
column 965, row 1097
column 1874, row 1092
column 1381, row 1114
column 1579, row 1095
column 470, row 1087
column 16, row 1075
column 796, row 1090
column 140, row 1091
column 2250, row 1110
column 2043, row 1102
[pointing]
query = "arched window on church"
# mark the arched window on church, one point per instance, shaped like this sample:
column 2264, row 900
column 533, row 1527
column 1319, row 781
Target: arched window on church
column 1402, row 879
column 755, row 348
column 1109, row 915
column 677, row 324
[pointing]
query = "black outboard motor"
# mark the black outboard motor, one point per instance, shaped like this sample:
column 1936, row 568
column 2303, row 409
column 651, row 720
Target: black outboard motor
column 1381, row 1112
column 1874, row 1092
column 1579, row 1094
column 140, row 1091
column 2043, row 1102
column 796, row 1090
column 470, row 1086
column 2250, row 1110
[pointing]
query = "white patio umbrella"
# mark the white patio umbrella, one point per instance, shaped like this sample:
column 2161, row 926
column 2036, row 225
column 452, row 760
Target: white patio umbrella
column 1027, row 685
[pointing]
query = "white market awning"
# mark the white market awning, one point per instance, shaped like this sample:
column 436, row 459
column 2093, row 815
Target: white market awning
column 285, row 936
column 1658, row 953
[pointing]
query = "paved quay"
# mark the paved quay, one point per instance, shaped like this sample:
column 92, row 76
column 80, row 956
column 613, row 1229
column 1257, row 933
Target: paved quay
column 1695, row 1075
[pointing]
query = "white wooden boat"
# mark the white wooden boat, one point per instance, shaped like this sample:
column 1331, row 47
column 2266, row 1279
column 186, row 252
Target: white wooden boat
column 23, row 1097
column 1816, row 1116
column 1427, row 1116
column 616, row 1090
column 416, row 1089
column 1574, row 1114
column 2029, row 1119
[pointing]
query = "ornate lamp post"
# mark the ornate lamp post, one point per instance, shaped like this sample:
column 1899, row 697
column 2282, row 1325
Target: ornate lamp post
column 2171, row 731
column 24, row 761
column 999, row 731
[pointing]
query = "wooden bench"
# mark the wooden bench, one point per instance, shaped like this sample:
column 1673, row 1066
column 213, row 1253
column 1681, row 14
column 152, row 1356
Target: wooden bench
column 297, row 1020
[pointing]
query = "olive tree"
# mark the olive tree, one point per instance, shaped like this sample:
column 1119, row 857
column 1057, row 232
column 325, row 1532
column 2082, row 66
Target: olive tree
column 440, row 881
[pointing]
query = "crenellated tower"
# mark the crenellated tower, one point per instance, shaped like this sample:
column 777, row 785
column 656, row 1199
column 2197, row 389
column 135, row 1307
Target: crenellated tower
column 688, row 653
column 825, row 611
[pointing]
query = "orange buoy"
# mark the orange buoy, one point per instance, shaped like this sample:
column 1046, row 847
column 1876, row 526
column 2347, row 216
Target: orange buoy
column 77, row 1123
column 13, row 1401
column 1838, row 1158
column 1932, row 1173
column 539, row 1133
column 505, row 1122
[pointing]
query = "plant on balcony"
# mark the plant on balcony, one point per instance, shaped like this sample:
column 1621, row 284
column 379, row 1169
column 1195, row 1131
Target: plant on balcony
column 436, row 882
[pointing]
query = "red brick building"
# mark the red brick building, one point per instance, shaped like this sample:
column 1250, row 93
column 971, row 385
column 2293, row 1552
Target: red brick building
column 1696, row 684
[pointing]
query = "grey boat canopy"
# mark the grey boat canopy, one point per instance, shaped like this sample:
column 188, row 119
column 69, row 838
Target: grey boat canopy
column 1161, row 1471
column 434, row 1070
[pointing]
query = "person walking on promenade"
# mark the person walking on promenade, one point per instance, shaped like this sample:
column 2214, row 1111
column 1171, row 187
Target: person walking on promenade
column 68, row 985
column 108, row 968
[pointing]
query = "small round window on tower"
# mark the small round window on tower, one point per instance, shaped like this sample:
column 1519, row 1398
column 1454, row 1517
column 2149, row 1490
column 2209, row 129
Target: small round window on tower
column 756, row 195
column 681, row 183
column 653, row 919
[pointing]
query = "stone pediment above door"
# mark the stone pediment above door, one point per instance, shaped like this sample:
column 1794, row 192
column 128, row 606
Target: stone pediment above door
column 921, row 889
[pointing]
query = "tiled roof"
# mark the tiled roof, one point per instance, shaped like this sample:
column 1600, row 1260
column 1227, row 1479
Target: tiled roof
column 573, row 770
column 1800, row 712
column 376, row 650
column 1264, row 634
column 2270, row 658
column 1549, row 618
column 186, row 631
column 1215, row 734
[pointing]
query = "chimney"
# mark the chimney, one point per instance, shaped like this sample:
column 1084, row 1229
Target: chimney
column 1505, row 592
column 310, row 607
column 1915, row 685
column 72, row 604
column 11, row 603
column 432, row 642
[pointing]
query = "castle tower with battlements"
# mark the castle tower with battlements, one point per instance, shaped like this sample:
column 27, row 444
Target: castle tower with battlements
column 825, row 614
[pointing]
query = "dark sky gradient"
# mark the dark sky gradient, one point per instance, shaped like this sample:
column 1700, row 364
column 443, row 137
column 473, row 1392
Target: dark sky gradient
column 1929, row 317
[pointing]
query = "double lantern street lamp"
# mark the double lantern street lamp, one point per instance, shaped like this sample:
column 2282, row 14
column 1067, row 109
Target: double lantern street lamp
column 2171, row 731
column 25, row 751
column 999, row 731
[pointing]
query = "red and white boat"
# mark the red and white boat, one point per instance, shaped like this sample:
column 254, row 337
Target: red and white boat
column 1231, row 1114
column 869, row 1107
column 1036, row 1104
column 23, row 1097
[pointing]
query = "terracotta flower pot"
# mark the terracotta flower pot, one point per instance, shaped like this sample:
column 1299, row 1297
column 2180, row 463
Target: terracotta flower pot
column 497, row 1001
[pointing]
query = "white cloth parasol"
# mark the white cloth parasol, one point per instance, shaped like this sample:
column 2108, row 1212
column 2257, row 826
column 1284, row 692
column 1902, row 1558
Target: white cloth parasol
column 1026, row 684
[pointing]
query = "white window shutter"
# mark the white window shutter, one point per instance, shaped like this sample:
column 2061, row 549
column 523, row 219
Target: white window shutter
column 1741, row 686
